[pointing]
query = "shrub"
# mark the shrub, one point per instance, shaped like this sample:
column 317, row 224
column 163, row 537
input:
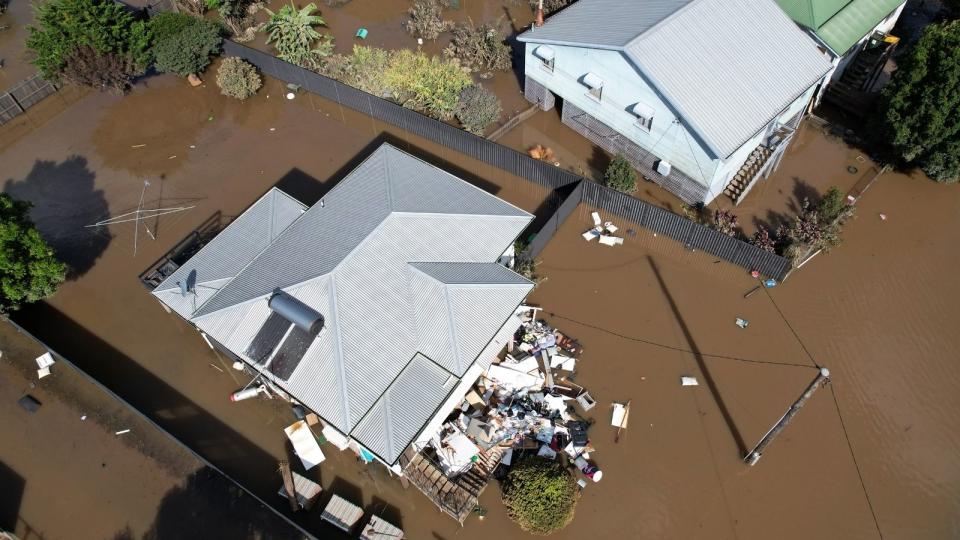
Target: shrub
column 477, row 108
column 479, row 48
column 238, row 78
column 620, row 175
column 724, row 221
column 104, row 26
column 833, row 206
column 764, row 240
column 29, row 269
column 367, row 69
column 540, row 495
column 189, row 50
column 426, row 18
column 194, row 7
column 291, row 32
column 916, row 114
column 234, row 14
column 108, row 71
column 429, row 84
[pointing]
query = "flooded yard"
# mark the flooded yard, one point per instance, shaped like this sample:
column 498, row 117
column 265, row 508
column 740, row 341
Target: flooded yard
column 876, row 311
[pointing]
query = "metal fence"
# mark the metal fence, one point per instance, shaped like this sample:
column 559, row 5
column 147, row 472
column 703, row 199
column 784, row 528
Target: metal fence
column 24, row 95
column 657, row 219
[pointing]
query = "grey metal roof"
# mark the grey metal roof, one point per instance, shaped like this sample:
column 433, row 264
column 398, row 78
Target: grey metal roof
column 727, row 67
column 410, row 401
column 231, row 250
column 374, row 317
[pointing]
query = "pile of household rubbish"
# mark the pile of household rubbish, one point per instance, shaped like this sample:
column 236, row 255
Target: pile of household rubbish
column 526, row 403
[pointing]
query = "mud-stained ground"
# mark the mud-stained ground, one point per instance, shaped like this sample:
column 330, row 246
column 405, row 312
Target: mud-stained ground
column 67, row 474
column 873, row 310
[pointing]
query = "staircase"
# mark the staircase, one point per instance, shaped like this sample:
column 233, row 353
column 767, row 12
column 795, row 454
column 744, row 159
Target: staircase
column 456, row 496
column 741, row 181
column 853, row 92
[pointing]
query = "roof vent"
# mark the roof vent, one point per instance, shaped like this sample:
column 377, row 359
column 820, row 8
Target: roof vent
column 295, row 311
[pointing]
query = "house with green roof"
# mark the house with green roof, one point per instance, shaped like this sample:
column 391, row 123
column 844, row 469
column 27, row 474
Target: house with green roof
column 843, row 28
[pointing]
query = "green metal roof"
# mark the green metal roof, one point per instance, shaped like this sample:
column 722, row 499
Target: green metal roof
column 840, row 24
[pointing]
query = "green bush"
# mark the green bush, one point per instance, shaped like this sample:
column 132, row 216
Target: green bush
column 540, row 495
column 620, row 175
column 189, row 50
column 104, row 26
column 165, row 25
column 238, row 78
column 429, row 84
column 479, row 48
column 29, row 269
column 477, row 108
column 917, row 111
column 107, row 71
column 291, row 32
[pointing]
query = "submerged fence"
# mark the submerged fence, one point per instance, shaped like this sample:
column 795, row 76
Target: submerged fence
column 24, row 95
column 691, row 234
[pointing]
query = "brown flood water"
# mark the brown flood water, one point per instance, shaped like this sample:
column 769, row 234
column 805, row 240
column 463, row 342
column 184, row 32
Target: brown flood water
column 873, row 311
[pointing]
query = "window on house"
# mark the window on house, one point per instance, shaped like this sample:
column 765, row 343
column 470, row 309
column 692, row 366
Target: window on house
column 644, row 114
column 547, row 57
column 595, row 84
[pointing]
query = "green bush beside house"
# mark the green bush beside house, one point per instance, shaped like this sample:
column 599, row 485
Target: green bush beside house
column 540, row 495
column 29, row 269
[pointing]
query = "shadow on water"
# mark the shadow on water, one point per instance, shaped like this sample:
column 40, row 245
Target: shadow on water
column 11, row 494
column 65, row 200
column 210, row 506
column 802, row 191
column 711, row 384
column 185, row 420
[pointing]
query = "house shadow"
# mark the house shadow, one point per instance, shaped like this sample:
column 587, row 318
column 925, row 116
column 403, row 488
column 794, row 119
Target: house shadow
column 65, row 200
column 802, row 191
column 11, row 495
column 383, row 510
column 208, row 505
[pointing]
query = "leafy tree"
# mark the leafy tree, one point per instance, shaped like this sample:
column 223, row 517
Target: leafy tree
column 764, row 240
column 477, row 108
column 29, row 270
column 167, row 24
column 86, row 67
column 833, row 206
column 479, row 48
column 189, row 50
column 238, row 78
column 429, row 84
column 106, row 27
column 620, row 175
column 291, row 32
column 426, row 18
column 540, row 495
column 917, row 111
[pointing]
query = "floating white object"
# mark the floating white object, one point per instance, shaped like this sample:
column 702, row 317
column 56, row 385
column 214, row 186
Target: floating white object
column 122, row 431
column 610, row 227
column 742, row 323
column 43, row 372
column 547, row 452
column 596, row 218
column 611, row 240
column 45, row 360
column 591, row 234
column 689, row 381
column 304, row 444
column 582, row 483
column 291, row 95
column 619, row 419
column 238, row 365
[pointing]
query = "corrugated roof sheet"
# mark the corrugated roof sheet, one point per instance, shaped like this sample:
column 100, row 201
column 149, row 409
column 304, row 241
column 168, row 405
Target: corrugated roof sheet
column 373, row 320
column 856, row 20
column 727, row 66
column 408, row 403
column 231, row 250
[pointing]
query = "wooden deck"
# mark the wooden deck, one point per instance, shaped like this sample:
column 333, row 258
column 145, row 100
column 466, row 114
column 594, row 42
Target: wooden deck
column 456, row 496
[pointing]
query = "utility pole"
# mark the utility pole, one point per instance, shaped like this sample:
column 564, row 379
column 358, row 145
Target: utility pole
column 754, row 455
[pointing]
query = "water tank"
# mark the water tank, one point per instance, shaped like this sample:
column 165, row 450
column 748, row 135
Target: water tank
column 295, row 311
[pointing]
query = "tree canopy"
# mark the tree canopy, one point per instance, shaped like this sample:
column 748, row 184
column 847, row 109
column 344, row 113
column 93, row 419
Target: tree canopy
column 188, row 47
column 29, row 269
column 620, row 175
column 106, row 27
column 917, row 112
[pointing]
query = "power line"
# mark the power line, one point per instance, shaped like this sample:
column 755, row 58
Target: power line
column 790, row 326
column 678, row 349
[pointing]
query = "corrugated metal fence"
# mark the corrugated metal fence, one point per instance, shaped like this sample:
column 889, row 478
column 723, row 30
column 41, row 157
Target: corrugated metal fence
column 657, row 219
column 24, row 95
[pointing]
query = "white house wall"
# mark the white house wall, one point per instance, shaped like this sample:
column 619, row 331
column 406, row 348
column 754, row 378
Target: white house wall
column 623, row 87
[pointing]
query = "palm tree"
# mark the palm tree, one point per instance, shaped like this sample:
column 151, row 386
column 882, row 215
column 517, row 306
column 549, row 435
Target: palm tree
column 291, row 32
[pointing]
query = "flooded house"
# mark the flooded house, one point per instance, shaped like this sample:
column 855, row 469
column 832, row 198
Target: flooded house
column 854, row 34
column 377, row 308
column 701, row 96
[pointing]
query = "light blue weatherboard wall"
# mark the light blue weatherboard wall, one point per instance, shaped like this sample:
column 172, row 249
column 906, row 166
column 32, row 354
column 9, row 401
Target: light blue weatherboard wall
column 623, row 87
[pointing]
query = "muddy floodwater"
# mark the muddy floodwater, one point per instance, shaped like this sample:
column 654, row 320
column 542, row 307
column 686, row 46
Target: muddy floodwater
column 880, row 311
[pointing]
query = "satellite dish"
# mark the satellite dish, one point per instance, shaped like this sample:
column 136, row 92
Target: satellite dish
column 192, row 281
column 184, row 289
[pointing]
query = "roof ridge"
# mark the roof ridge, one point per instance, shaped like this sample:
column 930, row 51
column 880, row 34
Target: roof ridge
column 659, row 24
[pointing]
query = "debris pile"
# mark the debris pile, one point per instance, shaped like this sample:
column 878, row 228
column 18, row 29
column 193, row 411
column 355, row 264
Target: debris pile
column 603, row 231
column 523, row 404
